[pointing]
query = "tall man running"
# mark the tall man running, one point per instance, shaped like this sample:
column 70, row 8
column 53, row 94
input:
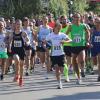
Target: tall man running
column 80, row 35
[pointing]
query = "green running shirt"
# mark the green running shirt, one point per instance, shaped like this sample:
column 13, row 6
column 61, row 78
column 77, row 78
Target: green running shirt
column 64, row 30
column 78, row 35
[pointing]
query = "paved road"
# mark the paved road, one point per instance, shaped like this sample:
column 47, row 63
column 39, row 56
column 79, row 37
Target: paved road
column 36, row 87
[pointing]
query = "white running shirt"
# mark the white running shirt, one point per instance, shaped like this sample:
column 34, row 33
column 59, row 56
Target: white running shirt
column 57, row 47
column 3, row 47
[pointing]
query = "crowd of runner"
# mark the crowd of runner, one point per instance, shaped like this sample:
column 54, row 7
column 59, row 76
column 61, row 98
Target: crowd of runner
column 60, row 45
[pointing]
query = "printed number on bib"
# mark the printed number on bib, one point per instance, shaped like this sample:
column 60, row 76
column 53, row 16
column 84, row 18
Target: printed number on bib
column 17, row 44
column 2, row 45
column 77, row 39
column 97, row 38
column 57, row 47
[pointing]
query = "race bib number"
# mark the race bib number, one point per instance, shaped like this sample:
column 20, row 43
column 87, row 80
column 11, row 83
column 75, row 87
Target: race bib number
column 77, row 39
column 57, row 47
column 17, row 43
column 2, row 45
column 97, row 39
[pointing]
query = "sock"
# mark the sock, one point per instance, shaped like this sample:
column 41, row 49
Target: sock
column 65, row 71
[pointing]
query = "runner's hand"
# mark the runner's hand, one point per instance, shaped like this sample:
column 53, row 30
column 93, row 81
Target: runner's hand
column 89, row 45
column 62, row 42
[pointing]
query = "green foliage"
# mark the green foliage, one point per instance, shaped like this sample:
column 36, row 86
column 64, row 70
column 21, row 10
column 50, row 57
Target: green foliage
column 58, row 7
column 80, row 5
column 20, row 8
column 95, row 7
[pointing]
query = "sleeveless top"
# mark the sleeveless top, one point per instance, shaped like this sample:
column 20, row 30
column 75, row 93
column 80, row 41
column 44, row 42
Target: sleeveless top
column 95, row 38
column 78, row 35
column 17, row 43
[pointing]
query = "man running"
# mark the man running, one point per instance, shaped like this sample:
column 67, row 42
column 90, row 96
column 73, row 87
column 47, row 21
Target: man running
column 95, row 40
column 80, row 36
column 17, row 42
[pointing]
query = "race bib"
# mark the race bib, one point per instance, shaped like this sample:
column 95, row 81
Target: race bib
column 97, row 39
column 17, row 43
column 77, row 39
column 57, row 47
column 2, row 45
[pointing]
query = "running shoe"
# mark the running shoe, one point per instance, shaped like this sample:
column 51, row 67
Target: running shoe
column 82, row 74
column 79, row 81
column 67, row 80
column 15, row 78
column 2, row 77
column 98, row 79
column 60, row 85
column 20, row 82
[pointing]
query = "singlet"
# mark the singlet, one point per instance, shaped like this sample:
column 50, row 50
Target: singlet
column 57, row 47
column 3, row 47
column 64, row 30
column 78, row 35
column 18, row 42
column 95, row 38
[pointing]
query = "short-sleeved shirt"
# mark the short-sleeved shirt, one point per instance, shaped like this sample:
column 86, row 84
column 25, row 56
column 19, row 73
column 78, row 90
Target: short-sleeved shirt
column 57, row 47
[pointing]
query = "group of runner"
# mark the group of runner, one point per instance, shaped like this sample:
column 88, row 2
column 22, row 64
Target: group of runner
column 56, row 45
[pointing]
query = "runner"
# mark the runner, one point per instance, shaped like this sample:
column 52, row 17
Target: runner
column 67, row 46
column 3, row 50
column 10, row 62
column 80, row 36
column 51, row 22
column 33, row 47
column 17, row 42
column 44, row 30
column 95, row 50
column 27, row 29
column 57, row 54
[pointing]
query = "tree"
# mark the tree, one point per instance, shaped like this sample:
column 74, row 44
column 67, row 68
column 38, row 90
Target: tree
column 79, row 6
column 21, row 8
column 94, row 6
column 58, row 7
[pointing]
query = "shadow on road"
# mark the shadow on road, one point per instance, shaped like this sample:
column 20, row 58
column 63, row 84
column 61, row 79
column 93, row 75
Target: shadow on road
column 80, row 96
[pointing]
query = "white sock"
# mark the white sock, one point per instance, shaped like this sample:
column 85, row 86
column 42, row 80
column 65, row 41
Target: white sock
column 46, row 75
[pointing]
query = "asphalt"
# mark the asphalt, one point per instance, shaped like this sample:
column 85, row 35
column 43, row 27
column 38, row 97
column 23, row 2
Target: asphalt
column 36, row 87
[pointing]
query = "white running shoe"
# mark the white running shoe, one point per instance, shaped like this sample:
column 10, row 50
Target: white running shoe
column 60, row 85
column 67, row 79
column 79, row 81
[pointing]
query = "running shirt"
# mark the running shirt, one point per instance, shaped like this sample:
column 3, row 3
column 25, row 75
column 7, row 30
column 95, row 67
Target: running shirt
column 78, row 35
column 52, row 24
column 64, row 30
column 28, row 31
column 95, row 38
column 43, row 32
column 3, row 47
column 17, row 43
column 30, row 35
column 57, row 47
column 32, row 41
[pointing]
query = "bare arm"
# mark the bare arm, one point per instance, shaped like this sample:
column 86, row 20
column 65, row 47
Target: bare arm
column 10, row 41
column 87, row 34
column 34, row 34
column 26, row 38
column 69, row 30
column 67, row 40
